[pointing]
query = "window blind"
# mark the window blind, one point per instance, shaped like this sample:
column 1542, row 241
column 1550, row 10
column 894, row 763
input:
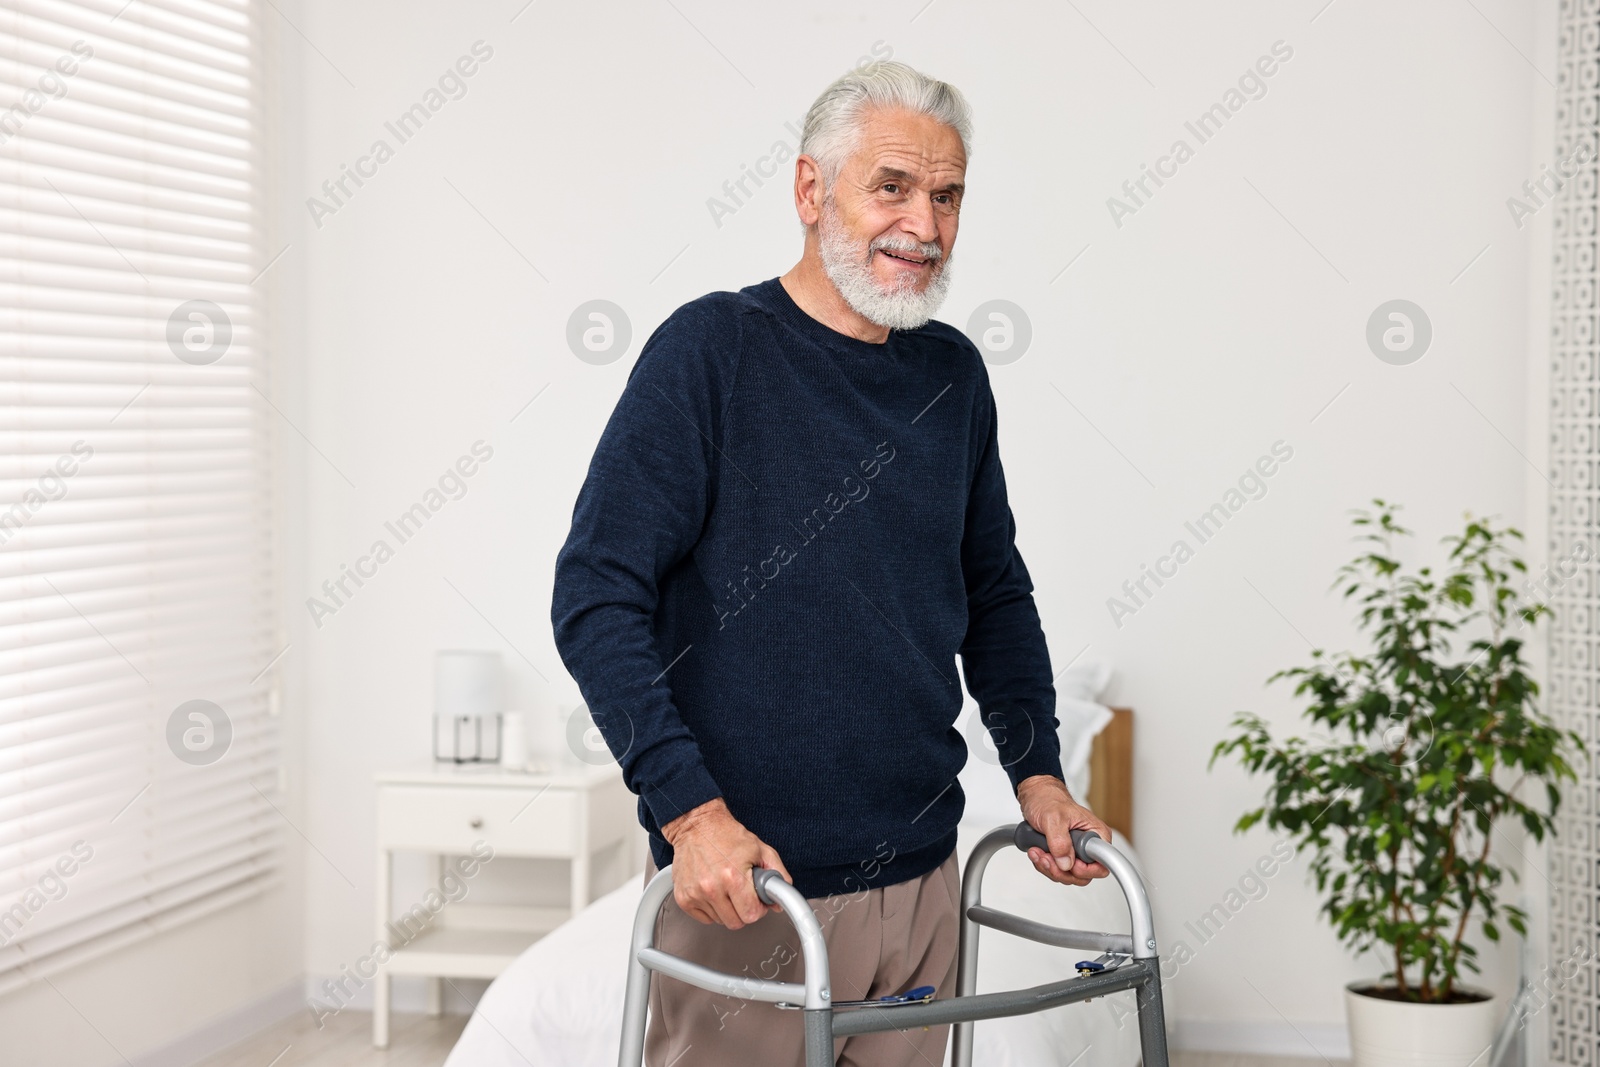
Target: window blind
column 138, row 744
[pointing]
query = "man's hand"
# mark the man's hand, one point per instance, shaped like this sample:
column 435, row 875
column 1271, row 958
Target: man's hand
column 1050, row 809
column 712, row 856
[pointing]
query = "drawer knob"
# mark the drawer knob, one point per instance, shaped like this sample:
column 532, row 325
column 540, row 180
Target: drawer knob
column 476, row 823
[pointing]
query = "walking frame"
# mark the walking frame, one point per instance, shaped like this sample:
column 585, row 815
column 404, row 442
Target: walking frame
column 1129, row 961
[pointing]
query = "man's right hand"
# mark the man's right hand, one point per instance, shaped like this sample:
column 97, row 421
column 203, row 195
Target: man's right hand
column 712, row 857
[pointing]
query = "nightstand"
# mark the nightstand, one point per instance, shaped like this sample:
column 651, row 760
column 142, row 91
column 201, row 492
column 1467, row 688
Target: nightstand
column 445, row 810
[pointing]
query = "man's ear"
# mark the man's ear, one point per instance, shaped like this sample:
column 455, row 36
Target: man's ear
column 808, row 190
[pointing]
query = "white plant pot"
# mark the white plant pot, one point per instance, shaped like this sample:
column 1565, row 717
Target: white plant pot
column 1393, row 1033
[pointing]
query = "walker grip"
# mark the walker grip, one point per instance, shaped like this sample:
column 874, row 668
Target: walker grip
column 763, row 876
column 1027, row 837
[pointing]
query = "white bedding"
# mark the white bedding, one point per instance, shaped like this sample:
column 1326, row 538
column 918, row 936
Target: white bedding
column 560, row 1003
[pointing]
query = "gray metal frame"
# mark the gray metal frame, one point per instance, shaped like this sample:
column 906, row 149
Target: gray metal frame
column 1141, row 972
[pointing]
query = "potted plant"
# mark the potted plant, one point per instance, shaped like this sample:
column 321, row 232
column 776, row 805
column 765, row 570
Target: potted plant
column 1398, row 806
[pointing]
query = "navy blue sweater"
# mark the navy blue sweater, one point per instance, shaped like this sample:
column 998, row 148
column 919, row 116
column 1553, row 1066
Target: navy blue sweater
column 785, row 538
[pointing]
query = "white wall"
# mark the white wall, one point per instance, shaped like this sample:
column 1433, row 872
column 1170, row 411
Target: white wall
column 1535, row 881
column 1223, row 316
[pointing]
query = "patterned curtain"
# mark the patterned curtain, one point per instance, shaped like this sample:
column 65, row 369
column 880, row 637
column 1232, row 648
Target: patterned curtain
column 1566, row 985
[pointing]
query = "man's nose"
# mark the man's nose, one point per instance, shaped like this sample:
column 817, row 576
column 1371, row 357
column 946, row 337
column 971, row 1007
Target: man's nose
column 918, row 222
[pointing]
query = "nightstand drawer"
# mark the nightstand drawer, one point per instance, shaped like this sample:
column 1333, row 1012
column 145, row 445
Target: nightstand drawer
column 526, row 822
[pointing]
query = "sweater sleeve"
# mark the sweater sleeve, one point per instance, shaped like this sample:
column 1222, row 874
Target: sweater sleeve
column 640, row 511
column 1004, row 656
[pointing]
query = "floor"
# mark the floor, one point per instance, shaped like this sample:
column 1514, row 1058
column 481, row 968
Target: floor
column 1240, row 1059
column 423, row 1041
column 345, row 1041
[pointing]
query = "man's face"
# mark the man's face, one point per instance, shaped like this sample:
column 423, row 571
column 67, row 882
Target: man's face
column 888, row 224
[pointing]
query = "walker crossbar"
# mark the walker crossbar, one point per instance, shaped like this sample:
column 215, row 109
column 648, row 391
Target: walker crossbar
column 976, row 1006
column 1007, row 923
column 1140, row 973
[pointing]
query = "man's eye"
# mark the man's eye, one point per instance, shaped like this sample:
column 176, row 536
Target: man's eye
column 891, row 187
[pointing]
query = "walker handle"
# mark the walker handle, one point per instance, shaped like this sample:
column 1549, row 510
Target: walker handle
column 1027, row 837
column 763, row 876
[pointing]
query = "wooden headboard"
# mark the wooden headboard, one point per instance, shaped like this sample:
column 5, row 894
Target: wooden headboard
column 1111, row 773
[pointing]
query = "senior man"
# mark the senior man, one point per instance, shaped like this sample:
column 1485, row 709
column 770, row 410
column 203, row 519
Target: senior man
column 794, row 521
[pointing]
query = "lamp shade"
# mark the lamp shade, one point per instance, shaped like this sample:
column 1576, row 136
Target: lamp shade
column 466, row 684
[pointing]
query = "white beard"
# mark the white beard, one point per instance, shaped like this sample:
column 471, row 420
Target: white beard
column 848, row 264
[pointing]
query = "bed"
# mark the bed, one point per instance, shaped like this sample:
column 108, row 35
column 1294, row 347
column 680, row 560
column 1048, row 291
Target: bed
column 560, row 1002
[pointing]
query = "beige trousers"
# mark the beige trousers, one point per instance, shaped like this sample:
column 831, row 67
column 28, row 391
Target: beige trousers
column 880, row 942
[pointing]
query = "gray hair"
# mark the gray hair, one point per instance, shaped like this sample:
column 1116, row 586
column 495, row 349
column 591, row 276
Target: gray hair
column 833, row 125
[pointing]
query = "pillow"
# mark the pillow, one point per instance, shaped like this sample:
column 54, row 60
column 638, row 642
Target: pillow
column 990, row 800
column 1082, row 717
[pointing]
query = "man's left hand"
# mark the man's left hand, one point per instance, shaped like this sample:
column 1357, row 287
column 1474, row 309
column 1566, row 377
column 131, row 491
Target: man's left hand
column 1050, row 809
